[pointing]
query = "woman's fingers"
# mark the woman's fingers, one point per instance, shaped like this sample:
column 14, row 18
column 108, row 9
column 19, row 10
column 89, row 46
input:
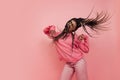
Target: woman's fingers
column 52, row 32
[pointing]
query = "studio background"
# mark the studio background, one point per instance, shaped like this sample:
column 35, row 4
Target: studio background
column 26, row 53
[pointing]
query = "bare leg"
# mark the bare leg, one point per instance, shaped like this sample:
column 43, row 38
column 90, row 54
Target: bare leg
column 67, row 72
column 81, row 70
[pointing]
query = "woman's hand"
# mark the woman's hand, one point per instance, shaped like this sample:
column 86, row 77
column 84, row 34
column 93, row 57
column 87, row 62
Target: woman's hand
column 81, row 37
column 52, row 32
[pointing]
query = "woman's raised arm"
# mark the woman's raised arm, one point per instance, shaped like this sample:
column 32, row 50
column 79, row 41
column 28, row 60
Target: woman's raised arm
column 50, row 31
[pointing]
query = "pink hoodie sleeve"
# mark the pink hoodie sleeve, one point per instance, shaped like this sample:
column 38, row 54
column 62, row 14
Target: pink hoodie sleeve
column 48, row 29
column 84, row 45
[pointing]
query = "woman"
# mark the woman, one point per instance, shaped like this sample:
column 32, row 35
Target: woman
column 71, row 47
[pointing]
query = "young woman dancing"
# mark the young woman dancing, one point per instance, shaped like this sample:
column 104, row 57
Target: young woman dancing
column 71, row 46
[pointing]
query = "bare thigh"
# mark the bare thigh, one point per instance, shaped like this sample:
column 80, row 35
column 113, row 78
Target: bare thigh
column 67, row 72
column 81, row 70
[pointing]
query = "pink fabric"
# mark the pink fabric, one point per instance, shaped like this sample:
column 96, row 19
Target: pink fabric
column 64, row 46
column 47, row 30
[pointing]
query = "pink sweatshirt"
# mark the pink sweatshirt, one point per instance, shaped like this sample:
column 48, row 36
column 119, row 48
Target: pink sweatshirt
column 64, row 46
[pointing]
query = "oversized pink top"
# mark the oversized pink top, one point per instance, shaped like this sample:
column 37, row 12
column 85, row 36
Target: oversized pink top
column 64, row 46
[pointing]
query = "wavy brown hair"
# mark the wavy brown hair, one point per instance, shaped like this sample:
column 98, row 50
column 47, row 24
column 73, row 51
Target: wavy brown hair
column 97, row 23
column 94, row 24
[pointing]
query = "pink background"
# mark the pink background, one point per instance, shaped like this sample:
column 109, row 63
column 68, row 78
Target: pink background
column 27, row 54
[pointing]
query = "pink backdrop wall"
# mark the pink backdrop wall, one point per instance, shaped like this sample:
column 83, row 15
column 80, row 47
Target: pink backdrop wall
column 27, row 54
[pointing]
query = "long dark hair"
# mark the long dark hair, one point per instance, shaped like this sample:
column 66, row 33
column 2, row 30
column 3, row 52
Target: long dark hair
column 94, row 24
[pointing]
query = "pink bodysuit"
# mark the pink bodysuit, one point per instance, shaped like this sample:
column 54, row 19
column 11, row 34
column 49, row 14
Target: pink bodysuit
column 64, row 46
